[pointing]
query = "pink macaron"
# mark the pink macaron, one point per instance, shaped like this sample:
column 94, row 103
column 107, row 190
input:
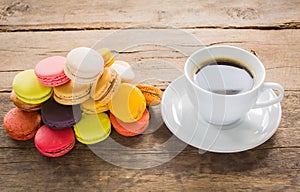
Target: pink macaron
column 50, row 71
column 133, row 128
column 54, row 143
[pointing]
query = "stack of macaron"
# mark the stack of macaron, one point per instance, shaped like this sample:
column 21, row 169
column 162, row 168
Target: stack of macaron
column 78, row 97
column 128, row 108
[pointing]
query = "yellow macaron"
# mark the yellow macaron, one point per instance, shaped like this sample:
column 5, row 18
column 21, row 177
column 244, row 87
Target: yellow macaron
column 93, row 107
column 105, row 87
column 128, row 103
column 107, row 56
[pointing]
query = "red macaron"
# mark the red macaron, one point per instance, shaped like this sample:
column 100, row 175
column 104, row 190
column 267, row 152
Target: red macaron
column 54, row 143
column 131, row 129
column 21, row 125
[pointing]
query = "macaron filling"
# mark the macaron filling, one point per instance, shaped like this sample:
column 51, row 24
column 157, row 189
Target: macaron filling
column 73, row 98
column 92, row 140
column 64, row 96
column 131, row 129
column 152, row 93
column 54, row 81
column 78, row 75
column 110, row 62
column 34, row 100
column 22, row 105
column 54, row 143
column 23, row 135
column 110, row 88
column 94, row 109
column 108, row 58
column 57, row 152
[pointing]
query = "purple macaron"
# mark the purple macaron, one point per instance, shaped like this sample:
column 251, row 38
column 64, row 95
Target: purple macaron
column 58, row 116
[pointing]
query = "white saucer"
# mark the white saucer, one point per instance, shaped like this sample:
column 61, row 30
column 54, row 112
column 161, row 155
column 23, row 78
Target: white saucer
column 181, row 117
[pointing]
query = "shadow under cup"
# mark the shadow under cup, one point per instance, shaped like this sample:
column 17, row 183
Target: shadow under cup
column 222, row 109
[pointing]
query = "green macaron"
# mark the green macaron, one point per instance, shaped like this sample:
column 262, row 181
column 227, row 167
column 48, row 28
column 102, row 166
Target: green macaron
column 92, row 128
column 28, row 88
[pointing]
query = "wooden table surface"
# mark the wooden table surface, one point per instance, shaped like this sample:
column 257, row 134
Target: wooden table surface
column 31, row 30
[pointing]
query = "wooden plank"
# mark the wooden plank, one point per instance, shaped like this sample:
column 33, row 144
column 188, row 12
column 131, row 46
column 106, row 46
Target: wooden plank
column 271, row 166
column 278, row 50
column 205, row 172
column 287, row 135
column 189, row 171
column 58, row 15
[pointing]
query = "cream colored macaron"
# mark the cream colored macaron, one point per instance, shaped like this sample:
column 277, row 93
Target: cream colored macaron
column 84, row 65
column 124, row 70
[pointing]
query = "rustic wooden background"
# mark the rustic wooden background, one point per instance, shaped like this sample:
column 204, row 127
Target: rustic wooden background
column 31, row 30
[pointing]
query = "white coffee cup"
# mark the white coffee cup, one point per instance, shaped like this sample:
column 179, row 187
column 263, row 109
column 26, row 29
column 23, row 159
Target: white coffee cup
column 223, row 109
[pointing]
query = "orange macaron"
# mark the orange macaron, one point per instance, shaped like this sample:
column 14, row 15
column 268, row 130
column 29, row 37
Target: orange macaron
column 152, row 94
column 131, row 129
column 21, row 125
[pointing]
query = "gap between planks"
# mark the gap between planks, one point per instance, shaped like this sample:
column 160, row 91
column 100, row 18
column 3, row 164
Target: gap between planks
column 59, row 27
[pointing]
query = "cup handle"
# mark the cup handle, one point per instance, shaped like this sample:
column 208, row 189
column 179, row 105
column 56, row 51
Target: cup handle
column 277, row 99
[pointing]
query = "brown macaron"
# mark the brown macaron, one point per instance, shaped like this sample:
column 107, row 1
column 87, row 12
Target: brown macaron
column 22, row 105
column 152, row 94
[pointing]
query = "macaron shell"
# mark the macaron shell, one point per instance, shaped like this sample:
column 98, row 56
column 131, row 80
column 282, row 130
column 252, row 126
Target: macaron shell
column 72, row 93
column 21, row 125
column 128, row 103
column 131, row 129
column 108, row 96
column 152, row 94
column 58, row 116
column 92, row 129
column 124, row 70
column 93, row 107
column 28, row 88
column 22, row 105
column 84, row 65
column 54, row 81
column 59, row 153
column 107, row 56
column 54, row 143
column 50, row 71
column 103, row 89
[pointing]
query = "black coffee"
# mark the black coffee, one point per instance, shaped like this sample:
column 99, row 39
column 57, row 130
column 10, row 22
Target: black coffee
column 224, row 76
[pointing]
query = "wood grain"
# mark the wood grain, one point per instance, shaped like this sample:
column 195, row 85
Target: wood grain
column 23, row 15
column 22, row 51
column 274, row 165
column 31, row 30
column 251, row 170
